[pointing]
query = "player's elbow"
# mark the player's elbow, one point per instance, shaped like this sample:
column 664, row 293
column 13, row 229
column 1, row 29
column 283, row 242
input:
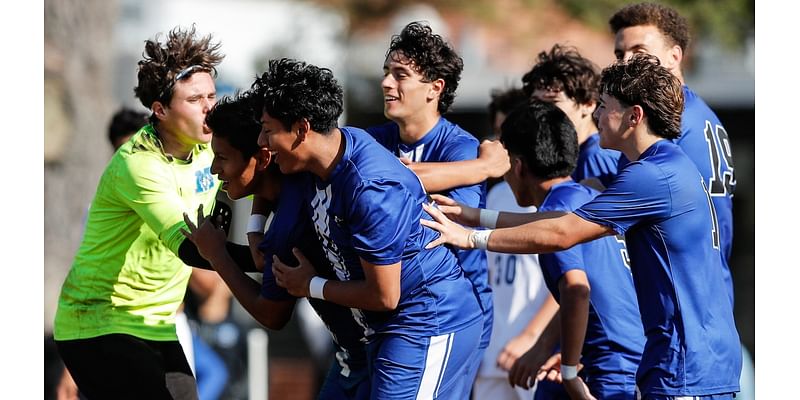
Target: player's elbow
column 388, row 300
column 577, row 290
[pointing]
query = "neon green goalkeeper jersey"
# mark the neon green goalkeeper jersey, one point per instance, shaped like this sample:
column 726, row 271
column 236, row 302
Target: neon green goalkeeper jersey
column 126, row 276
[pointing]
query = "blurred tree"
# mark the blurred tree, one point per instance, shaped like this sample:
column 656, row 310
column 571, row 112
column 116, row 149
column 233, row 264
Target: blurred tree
column 729, row 22
column 77, row 105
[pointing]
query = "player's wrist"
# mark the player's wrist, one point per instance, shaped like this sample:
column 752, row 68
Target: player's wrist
column 488, row 218
column 316, row 287
column 256, row 223
column 479, row 239
column 569, row 372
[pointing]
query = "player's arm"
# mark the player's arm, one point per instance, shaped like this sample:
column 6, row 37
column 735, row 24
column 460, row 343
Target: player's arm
column 259, row 212
column 549, row 232
column 530, row 335
column 574, row 290
column 210, row 240
column 492, row 162
column 464, row 214
column 524, row 371
column 378, row 291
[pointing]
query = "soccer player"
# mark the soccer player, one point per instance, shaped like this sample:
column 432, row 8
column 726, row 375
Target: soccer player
column 115, row 323
column 565, row 78
column 245, row 169
column 660, row 203
column 522, row 304
column 599, row 317
column 659, row 30
column 421, row 73
column 425, row 323
column 124, row 124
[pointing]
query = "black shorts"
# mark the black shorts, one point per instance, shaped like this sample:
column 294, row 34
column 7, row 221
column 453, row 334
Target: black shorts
column 120, row 366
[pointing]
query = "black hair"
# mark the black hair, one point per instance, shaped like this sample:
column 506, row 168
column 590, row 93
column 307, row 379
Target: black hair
column 503, row 101
column 232, row 119
column 543, row 137
column 125, row 122
column 563, row 69
column 293, row 90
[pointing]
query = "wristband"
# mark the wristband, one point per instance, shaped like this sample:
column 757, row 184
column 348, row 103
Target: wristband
column 315, row 287
column 480, row 239
column 256, row 223
column 488, row 218
column 569, row 372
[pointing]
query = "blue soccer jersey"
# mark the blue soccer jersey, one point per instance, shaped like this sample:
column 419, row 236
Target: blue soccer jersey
column 660, row 203
column 706, row 142
column 614, row 335
column 596, row 162
column 447, row 142
column 291, row 227
column 369, row 208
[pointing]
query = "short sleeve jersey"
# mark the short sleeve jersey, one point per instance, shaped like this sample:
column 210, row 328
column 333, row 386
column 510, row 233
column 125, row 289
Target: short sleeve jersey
column 369, row 208
column 706, row 142
column 614, row 334
column 126, row 276
column 291, row 227
column 661, row 206
column 596, row 162
column 447, row 142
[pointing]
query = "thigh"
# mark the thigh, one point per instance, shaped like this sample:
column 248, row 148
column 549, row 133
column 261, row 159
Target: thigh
column 338, row 387
column 125, row 367
column 410, row 367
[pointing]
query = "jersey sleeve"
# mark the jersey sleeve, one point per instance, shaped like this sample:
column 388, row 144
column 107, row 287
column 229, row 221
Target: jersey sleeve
column 148, row 188
column 381, row 217
column 640, row 193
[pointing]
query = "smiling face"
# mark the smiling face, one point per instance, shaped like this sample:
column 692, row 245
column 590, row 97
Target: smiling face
column 283, row 142
column 405, row 92
column 647, row 39
column 236, row 173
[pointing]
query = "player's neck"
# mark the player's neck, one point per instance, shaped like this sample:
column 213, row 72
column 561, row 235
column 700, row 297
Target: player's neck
column 585, row 129
column 639, row 142
column 415, row 128
column 326, row 152
column 172, row 146
column 540, row 188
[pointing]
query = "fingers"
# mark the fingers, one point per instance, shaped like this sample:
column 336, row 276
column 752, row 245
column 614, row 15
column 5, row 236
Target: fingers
column 189, row 223
column 443, row 200
column 300, row 257
column 434, row 213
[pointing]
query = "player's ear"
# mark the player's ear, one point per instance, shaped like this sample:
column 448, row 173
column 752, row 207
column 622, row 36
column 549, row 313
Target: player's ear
column 636, row 115
column 159, row 110
column 674, row 57
column 263, row 159
column 437, row 87
column 301, row 128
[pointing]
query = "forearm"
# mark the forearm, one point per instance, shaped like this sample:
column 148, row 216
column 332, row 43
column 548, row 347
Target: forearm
column 537, row 325
column 574, row 319
column 253, row 240
column 273, row 314
column 358, row 294
column 241, row 255
column 443, row 176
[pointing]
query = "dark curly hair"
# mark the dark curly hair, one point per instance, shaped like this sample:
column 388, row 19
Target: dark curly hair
column 543, row 137
column 644, row 82
column 162, row 63
column 125, row 122
column 563, row 69
column 292, row 90
column 432, row 57
column 671, row 24
column 232, row 119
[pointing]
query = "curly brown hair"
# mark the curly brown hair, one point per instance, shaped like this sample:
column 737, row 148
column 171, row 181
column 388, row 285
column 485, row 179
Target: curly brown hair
column 563, row 69
column 432, row 57
column 671, row 24
column 182, row 53
column 644, row 82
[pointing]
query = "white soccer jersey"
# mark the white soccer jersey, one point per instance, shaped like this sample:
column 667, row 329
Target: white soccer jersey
column 517, row 285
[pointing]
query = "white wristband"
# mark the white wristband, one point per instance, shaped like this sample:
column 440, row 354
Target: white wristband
column 569, row 372
column 480, row 239
column 488, row 218
column 256, row 223
column 315, row 287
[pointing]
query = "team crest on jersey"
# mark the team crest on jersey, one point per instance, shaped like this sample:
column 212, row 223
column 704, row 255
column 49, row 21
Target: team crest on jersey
column 204, row 180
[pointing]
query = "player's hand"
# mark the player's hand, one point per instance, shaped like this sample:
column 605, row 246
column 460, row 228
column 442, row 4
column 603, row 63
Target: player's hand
column 524, row 370
column 457, row 212
column 206, row 236
column 577, row 389
column 449, row 231
column 294, row 279
column 495, row 158
column 514, row 349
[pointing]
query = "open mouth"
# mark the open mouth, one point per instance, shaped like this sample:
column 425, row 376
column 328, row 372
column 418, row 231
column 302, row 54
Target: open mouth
column 387, row 98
